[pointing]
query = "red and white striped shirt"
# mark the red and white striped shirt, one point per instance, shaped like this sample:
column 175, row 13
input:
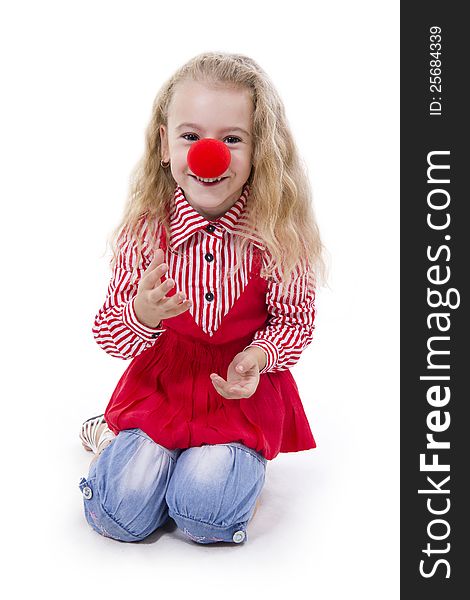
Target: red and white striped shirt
column 207, row 246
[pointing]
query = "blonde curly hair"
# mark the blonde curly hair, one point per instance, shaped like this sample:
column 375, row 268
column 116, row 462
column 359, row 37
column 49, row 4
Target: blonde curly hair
column 279, row 208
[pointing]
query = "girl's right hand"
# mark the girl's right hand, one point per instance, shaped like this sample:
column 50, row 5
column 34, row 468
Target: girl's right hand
column 150, row 304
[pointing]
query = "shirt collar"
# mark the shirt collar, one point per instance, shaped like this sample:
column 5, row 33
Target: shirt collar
column 185, row 221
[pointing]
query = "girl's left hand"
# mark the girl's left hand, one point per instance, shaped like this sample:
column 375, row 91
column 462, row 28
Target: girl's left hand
column 241, row 382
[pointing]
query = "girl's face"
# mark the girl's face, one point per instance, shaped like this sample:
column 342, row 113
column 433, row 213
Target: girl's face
column 198, row 111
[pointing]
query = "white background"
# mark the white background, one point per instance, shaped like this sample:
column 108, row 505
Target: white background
column 78, row 81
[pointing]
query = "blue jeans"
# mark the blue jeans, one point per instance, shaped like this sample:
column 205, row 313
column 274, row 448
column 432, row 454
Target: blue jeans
column 136, row 485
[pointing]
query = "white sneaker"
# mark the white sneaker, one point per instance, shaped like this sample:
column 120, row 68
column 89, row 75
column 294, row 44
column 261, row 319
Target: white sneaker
column 89, row 434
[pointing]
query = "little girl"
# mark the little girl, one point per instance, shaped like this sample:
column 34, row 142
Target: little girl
column 212, row 297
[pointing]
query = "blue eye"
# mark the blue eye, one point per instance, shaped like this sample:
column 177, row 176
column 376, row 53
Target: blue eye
column 185, row 134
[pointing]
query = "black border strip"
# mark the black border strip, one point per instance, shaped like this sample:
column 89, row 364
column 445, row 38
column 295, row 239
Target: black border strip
column 434, row 257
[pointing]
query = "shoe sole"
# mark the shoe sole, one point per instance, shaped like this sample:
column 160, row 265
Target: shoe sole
column 87, row 448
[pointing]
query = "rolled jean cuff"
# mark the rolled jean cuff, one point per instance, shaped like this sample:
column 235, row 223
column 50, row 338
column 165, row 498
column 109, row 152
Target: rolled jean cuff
column 207, row 533
column 99, row 519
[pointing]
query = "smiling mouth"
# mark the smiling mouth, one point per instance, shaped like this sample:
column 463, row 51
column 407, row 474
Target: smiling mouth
column 208, row 181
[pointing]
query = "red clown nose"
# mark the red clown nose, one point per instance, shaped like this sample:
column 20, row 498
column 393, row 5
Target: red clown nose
column 208, row 158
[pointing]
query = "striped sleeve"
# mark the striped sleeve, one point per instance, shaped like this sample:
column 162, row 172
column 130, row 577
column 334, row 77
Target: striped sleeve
column 116, row 328
column 289, row 329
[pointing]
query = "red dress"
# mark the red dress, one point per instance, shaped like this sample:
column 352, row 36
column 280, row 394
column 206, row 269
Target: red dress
column 167, row 392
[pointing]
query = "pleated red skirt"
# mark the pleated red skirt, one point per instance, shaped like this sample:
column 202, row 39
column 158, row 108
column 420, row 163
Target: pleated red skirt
column 167, row 392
